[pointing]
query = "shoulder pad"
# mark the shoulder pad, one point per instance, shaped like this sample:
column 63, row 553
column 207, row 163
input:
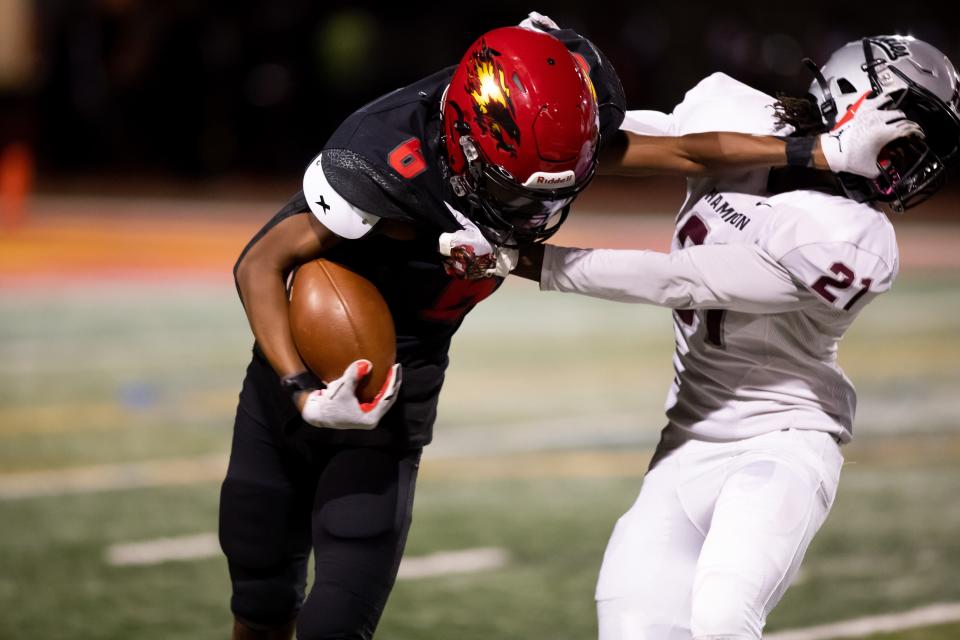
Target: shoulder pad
column 839, row 273
column 834, row 246
column 331, row 209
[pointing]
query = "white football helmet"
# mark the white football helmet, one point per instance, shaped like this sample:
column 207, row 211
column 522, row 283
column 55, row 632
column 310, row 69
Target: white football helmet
column 923, row 83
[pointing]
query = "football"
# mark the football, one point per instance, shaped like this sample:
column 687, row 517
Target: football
column 338, row 316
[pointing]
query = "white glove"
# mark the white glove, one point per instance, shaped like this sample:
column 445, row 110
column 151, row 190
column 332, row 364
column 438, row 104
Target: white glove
column 538, row 22
column 855, row 142
column 337, row 406
column 471, row 256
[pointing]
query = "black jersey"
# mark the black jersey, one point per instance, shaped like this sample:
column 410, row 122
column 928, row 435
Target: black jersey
column 384, row 159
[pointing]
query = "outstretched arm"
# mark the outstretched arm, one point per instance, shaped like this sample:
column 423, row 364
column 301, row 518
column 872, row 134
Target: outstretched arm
column 738, row 277
column 851, row 147
column 706, row 153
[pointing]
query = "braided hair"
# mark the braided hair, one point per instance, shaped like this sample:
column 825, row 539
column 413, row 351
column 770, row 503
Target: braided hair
column 802, row 114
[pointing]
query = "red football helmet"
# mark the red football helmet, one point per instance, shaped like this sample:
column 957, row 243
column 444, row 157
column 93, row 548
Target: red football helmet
column 521, row 124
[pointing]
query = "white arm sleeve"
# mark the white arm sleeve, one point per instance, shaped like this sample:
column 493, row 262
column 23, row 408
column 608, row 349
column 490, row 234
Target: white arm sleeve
column 648, row 123
column 737, row 277
column 331, row 209
column 716, row 103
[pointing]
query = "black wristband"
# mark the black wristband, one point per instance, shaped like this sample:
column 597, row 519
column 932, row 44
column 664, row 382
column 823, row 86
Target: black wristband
column 799, row 151
column 303, row 381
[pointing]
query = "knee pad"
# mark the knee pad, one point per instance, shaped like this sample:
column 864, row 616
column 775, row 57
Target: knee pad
column 724, row 608
column 266, row 602
column 359, row 494
column 361, row 517
column 266, row 552
column 257, row 525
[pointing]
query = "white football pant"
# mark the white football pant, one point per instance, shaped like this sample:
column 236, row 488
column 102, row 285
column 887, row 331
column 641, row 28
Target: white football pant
column 716, row 535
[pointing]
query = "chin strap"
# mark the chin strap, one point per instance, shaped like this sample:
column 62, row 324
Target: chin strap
column 828, row 108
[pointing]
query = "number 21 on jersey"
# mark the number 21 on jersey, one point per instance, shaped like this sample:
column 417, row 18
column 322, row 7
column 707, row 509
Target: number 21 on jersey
column 845, row 278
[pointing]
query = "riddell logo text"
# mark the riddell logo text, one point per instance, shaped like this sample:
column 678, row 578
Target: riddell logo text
column 542, row 180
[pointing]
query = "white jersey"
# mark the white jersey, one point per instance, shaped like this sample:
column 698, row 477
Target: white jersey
column 764, row 286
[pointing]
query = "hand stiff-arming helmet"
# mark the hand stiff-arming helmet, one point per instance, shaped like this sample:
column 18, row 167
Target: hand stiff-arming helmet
column 521, row 129
column 921, row 82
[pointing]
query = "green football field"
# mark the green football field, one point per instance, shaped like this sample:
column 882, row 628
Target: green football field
column 116, row 406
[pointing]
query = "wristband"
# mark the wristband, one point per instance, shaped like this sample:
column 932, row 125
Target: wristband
column 303, row 381
column 799, row 151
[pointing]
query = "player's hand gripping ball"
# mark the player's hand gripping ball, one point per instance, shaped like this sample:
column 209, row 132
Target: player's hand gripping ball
column 337, row 406
column 344, row 332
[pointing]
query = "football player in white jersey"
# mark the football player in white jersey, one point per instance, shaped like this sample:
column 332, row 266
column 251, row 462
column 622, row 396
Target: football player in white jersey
column 768, row 269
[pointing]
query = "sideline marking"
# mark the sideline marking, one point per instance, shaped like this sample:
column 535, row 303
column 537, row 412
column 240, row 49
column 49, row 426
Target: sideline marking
column 112, row 477
column 207, row 545
column 211, row 468
column 927, row 616
column 629, row 460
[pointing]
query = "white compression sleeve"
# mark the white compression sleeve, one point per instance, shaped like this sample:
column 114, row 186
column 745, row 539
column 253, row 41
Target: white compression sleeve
column 737, row 277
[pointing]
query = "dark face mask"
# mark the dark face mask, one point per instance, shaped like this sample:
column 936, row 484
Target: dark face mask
column 512, row 215
column 911, row 169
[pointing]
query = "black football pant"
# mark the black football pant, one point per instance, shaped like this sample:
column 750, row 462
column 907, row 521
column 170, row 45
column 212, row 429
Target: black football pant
column 351, row 504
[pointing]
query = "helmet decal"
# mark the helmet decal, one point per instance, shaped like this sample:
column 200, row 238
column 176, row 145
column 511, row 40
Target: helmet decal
column 491, row 98
column 894, row 47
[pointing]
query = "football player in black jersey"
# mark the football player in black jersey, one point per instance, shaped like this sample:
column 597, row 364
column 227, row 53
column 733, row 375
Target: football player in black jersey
column 426, row 192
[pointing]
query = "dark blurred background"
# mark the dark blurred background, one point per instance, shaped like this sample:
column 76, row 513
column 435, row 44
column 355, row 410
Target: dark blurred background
column 107, row 89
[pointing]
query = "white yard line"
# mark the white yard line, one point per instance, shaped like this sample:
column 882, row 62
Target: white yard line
column 148, row 552
column 206, row 545
column 927, row 616
column 445, row 563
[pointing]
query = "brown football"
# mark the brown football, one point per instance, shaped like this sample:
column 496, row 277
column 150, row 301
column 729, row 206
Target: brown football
column 338, row 316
